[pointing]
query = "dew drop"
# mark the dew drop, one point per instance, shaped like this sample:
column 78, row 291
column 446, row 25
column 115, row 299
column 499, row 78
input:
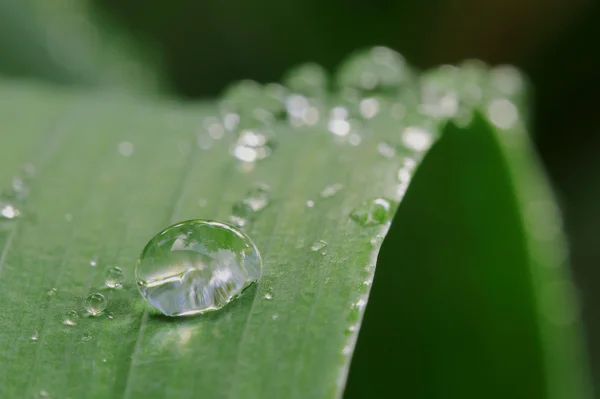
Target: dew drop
column 36, row 336
column 44, row 394
column 275, row 316
column 331, row 190
column 369, row 107
column 308, row 79
column 95, row 304
column 252, row 145
column 52, row 292
column 125, row 148
column 110, row 315
column 87, row 336
column 196, row 266
column 319, row 246
column 94, row 261
column 417, row 139
column 376, row 69
column 377, row 240
column 268, row 296
column 502, row 113
column 8, row 209
column 386, row 150
column 114, row 277
column 71, row 318
column 373, row 212
column 244, row 211
column 338, row 121
column 251, row 102
column 310, row 203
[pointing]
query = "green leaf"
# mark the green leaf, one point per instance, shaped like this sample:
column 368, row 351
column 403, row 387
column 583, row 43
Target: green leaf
column 475, row 267
column 113, row 171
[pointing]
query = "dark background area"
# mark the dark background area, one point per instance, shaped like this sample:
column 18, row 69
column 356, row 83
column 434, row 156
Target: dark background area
column 203, row 46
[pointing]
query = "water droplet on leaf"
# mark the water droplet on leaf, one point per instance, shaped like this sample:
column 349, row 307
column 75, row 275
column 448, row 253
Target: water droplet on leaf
column 52, row 292
column 319, row 246
column 71, row 318
column 244, row 211
column 114, row 277
column 95, row 304
column 197, row 266
column 308, row 79
column 331, row 190
column 374, row 212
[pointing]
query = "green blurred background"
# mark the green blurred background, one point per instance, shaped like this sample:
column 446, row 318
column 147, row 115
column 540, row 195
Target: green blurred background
column 193, row 49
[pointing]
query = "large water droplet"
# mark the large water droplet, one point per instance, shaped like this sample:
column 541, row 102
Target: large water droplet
column 71, row 318
column 197, row 266
column 114, row 277
column 95, row 304
column 376, row 69
column 374, row 212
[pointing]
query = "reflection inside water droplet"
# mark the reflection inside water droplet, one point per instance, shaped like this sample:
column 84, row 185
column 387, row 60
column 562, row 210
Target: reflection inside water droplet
column 374, row 212
column 71, row 318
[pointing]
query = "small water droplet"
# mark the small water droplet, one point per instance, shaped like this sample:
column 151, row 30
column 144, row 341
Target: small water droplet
column 331, row 190
column 104, row 360
column 94, row 261
column 244, row 211
column 52, row 292
column 347, row 350
column 125, row 148
column 275, row 316
column 87, row 336
column 44, row 394
column 300, row 111
column 36, row 336
column 417, row 139
column 502, row 113
column 386, row 150
column 110, row 315
column 214, row 128
column 71, row 318
column 377, row 240
column 268, row 296
column 369, row 107
column 95, row 304
column 251, row 102
column 354, row 139
column 373, row 212
column 360, row 304
column 114, row 277
column 338, row 121
column 196, row 266
column 252, row 145
column 309, row 79
column 376, row 69
column 310, row 203
column 319, row 246
column 8, row 210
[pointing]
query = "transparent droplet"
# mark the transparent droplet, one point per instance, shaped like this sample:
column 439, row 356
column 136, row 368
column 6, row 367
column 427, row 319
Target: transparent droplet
column 376, row 69
column 94, row 261
column 253, row 145
column 377, row 240
column 52, row 292
column 301, row 111
column 110, row 315
column 386, row 150
column 310, row 203
column 36, row 336
column 319, row 246
column 331, row 190
column 275, row 316
column 95, row 304
column 374, row 212
column 197, row 266
column 502, row 113
column 8, row 209
column 369, row 107
column 308, row 79
column 125, row 148
column 338, row 123
column 417, row 139
column 114, row 277
column 268, row 296
column 87, row 336
column 44, row 394
column 71, row 318
column 244, row 211
column 251, row 102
